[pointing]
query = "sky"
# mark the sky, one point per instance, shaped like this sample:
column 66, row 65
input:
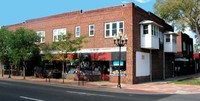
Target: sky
column 18, row 11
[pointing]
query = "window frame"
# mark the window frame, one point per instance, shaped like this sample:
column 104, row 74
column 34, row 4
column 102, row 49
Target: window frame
column 91, row 30
column 108, row 32
column 42, row 35
column 77, row 33
column 145, row 29
column 57, row 32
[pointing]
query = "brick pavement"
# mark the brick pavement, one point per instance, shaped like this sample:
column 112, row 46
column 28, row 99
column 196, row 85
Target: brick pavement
column 162, row 87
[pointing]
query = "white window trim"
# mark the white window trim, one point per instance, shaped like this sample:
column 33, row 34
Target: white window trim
column 77, row 31
column 42, row 34
column 57, row 32
column 91, row 29
column 110, row 33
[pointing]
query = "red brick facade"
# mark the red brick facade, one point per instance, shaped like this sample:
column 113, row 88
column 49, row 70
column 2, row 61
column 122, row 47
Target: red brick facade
column 131, row 14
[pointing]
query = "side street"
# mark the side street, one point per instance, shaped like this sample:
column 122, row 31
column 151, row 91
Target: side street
column 159, row 87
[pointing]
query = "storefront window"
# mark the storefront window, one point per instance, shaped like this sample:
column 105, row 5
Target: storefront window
column 115, row 66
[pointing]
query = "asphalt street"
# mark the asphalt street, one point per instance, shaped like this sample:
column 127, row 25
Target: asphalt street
column 22, row 91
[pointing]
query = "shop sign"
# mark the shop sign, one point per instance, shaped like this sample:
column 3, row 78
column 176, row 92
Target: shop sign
column 116, row 63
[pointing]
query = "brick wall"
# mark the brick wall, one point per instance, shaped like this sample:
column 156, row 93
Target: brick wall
column 83, row 19
column 157, row 55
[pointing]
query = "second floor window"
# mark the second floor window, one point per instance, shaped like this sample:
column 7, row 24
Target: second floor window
column 174, row 39
column 91, row 30
column 155, row 30
column 41, row 35
column 112, row 28
column 167, row 38
column 58, row 34
column 145, row 29
column 77, row 31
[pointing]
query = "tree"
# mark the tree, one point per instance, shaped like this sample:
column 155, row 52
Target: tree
column 22, row 47
column 66, row 44
column 182, row 13
column 5, row 35
column 196, row 48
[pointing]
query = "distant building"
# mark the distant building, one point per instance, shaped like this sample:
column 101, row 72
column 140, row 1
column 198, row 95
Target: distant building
column 148, row 55
column 184, row 63
column 197, row 62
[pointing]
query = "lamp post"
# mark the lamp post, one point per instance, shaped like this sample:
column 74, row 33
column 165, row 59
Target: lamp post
column 120, row 40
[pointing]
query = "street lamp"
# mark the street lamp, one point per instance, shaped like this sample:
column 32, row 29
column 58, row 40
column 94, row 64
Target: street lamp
column 120, row 40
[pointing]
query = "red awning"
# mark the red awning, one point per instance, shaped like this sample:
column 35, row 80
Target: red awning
column 103, row 56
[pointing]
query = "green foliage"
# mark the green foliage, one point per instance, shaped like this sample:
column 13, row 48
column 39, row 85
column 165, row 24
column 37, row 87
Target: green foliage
column 22, row 45
column 67, row 44
column 18, row 46
column 46, row 52
column 5, row 35
column 196, row 48
column 182, row 13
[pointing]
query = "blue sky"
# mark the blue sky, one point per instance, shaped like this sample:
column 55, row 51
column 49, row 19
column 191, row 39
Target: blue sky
column 16, row 11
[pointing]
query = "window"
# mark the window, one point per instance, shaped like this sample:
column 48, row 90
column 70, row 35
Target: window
column 154, row 30
column 174, row 39
column 112, row 28
column 121, row 26
column 184, row 46
column 161, row 36
column 77, row 31
column 190, row 48
column 145, row 29
column 167, row 38
column 41, row 35
column 58, row 34
column 107, row 30
column 91, row 30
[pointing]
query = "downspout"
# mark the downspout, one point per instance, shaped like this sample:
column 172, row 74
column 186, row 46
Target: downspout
column 163, row 63
column 150, row 65
column 164, row 57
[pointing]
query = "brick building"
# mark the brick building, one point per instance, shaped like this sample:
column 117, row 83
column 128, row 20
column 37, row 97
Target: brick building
column 184, row 61
column 145, row 57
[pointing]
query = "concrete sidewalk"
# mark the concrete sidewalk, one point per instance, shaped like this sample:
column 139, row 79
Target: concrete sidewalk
column 161, row 87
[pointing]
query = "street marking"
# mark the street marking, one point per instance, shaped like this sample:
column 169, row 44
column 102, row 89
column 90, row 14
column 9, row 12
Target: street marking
column 29, row 98
column 88, row 94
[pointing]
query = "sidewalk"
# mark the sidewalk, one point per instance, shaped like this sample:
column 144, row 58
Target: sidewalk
column 161, row 87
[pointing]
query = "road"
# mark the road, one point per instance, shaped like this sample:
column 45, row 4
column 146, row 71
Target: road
column 23, row 91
